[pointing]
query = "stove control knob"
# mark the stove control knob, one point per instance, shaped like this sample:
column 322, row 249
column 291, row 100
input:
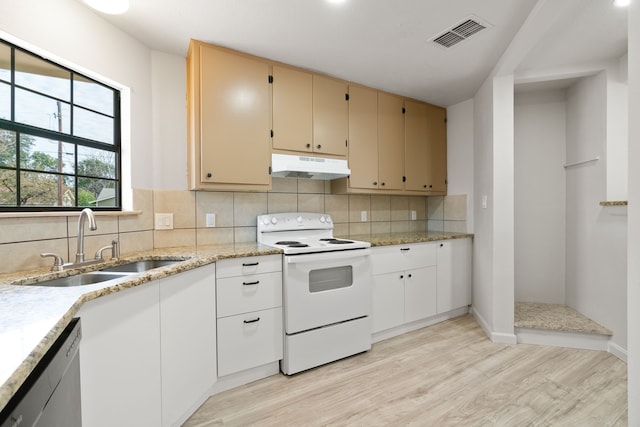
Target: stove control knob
column 299, row 219
column 265, row 220
column 274, row 220
column 328, row 219
column 322, row 219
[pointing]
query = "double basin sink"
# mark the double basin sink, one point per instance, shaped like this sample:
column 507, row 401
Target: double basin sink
column 108, row 273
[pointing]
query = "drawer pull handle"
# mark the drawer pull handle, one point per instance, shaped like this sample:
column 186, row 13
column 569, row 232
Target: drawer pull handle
column 405, row 249
column 252, row 320
column 250, row 264
column 250, row 283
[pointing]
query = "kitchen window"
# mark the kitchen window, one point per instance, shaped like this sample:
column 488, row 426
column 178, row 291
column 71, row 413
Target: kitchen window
column 59, row 136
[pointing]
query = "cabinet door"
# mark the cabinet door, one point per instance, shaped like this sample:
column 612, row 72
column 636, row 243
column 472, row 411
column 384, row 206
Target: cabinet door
column 120, row 358
column 234, row 118
column 363, row 137
column 330, row 125
column 415, row 146
column 454, row 274
column 188, row 341
column 437, row 149
column 249, row 340
column 388, row 301
column 292, row 109
column 419, row 293
column 390, row 142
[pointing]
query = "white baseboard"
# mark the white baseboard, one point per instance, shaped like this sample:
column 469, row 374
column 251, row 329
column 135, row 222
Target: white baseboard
column 497, row 337
column 617, row 351
column 563, row 339
column 408, row 327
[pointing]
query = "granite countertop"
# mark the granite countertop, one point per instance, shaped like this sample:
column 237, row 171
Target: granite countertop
column 33, row 317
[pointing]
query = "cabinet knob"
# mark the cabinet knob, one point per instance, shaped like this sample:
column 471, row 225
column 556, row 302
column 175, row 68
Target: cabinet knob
column 401, row 276
column 209, row 175
column 425, row 186
column 319, row 146
column 308, row 145
column 441, row 245
column 375, row 182
column 382, row 184
column 430, row 186
column 409, row 276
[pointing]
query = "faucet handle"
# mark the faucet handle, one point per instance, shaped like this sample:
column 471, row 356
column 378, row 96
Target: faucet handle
column 115, row 249
column 58, row 262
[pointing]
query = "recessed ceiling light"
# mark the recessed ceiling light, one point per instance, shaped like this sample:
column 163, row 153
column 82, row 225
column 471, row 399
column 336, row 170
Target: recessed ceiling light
column 336, row 1
column 621, row 3
column 112, row 7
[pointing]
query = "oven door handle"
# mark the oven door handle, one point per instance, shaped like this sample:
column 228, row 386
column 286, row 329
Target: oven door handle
column 328, row 256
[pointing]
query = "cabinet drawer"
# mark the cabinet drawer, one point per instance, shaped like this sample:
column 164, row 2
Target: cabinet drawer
column 243, row 294
column 249, row 265
column 249, row 340
column 387, row 259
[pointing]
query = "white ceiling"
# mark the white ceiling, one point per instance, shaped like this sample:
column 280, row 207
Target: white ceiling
column 381, row 43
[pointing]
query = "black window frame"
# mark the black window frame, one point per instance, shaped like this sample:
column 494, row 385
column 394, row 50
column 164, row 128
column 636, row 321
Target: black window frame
column 19, row 128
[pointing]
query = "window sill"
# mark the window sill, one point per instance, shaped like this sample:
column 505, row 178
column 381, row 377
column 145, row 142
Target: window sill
column 63, row 214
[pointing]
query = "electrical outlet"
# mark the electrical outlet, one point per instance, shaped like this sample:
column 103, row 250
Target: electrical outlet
column 484, row 202
column 164, row 221
column 363, row 216
column 414, row 216
column 210, row 220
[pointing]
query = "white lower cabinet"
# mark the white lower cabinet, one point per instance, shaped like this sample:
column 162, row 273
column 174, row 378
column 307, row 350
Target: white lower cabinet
column 417, row 281
column 120, row 359
column 148, row 353
column 454, row 274
column 187, row 342
column 404, row 284
column 249, row 308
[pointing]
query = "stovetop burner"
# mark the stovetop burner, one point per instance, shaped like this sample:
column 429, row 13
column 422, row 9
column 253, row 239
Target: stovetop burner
column 287, row 242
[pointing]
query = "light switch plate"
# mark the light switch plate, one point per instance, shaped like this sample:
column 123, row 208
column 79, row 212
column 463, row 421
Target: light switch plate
column 363, row 216
column 164, row 221
column 414, row 216
column 210, row 220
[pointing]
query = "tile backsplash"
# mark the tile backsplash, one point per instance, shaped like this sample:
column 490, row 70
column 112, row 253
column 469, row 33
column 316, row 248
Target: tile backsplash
column 23, row 239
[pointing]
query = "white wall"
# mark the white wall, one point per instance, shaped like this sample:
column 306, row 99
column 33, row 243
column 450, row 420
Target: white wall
column 169, row 112
column 596, row 239
column 633, row 284
column 617, row 130
column 460, row 154
column 539, row 137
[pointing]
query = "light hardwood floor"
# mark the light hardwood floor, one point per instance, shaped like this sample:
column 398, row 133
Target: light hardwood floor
column 448, row 374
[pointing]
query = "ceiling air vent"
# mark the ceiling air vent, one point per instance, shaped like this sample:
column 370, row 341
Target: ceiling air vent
column 460, row 32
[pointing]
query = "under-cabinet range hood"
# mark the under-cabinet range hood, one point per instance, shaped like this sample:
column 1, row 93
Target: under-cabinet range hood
column 286, row 166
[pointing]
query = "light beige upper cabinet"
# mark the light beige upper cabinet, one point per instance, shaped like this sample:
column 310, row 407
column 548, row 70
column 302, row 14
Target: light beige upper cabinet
column 415, row 146
column 228, row 120
column 292, row 109
column 436, row 150
column 363, row 137
column 390, row 142
column 330, row 125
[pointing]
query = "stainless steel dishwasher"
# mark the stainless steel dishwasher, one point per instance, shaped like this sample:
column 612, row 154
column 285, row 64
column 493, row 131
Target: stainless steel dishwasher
column 50, row 396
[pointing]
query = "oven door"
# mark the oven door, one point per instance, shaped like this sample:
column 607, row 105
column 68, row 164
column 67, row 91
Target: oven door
column 324, row 288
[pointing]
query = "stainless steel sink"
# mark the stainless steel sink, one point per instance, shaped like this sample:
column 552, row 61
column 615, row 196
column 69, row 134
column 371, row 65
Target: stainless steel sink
column 140, row 266
column 81, row 279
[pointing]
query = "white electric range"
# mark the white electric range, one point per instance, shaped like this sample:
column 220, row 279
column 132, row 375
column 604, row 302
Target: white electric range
column 326, row 288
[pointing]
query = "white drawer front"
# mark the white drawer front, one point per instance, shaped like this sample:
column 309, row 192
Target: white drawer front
column 386, row 259
column 249, row 265
column 249, row 340
column 236, row 295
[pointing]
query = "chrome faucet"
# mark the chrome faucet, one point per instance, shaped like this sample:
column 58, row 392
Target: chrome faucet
column 85, row 214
